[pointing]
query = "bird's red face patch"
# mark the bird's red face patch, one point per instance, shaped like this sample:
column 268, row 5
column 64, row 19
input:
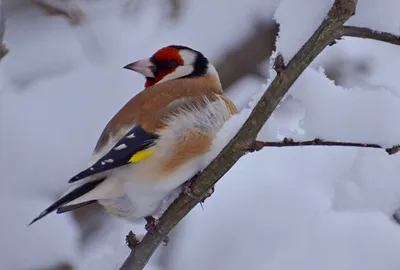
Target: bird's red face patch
column 168, row 53
column 164, row 55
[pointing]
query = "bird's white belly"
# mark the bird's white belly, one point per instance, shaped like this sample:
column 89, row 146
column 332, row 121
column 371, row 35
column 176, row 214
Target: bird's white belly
column 145, row 193
column 135, row 206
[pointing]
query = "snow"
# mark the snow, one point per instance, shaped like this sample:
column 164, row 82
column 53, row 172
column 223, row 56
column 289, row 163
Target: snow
column 109, row 250
column 55, row 241
column 333, row 217
column 372, row 112
column 380, row 17
column 280, row 208
column 292, row 34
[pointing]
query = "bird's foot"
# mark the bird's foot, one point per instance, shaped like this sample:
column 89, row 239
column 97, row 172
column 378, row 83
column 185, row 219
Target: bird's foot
column 209, row 192
column 152, row 226
column 186, row 189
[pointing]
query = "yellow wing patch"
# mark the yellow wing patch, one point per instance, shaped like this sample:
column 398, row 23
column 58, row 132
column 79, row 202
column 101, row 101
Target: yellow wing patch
column 141, row 155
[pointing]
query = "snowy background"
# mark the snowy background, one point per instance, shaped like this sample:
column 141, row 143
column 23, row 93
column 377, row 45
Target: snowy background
column 304, row 208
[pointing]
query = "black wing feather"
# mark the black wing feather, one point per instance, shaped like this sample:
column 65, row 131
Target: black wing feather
column 135, row 140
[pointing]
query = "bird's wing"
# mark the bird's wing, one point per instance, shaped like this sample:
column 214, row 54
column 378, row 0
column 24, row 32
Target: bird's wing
column 133, row 147
column 137, row 144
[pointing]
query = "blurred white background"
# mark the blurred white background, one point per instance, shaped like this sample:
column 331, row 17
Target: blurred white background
column 293, row 208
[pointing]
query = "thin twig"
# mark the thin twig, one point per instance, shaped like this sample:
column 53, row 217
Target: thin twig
column 3, row 50
column 3, row 47
column 326, row 32
column 258, row 145
column 362, row 32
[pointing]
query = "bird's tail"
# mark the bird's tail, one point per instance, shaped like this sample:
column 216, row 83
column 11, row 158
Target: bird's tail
column 69, row 197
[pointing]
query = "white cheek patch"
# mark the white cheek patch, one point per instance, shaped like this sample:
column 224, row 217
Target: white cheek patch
column 179, row 72
column 188, row 57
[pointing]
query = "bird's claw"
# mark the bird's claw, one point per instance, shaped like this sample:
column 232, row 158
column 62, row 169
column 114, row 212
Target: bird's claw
column 209, row 192
column 152, row 225
column 165, row 241
column 186, row 189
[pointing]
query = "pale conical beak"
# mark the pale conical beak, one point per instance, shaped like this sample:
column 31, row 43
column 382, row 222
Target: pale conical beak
column 144, row 67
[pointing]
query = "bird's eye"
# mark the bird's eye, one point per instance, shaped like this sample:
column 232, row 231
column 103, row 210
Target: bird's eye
column 168, row 64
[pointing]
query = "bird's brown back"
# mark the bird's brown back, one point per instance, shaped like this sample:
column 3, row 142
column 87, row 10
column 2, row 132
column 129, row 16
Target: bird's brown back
column 148, row 108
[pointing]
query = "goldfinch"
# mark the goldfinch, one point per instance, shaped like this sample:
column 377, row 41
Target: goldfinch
column 157, row 141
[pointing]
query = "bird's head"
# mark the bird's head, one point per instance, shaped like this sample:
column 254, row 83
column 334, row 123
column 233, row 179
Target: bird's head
column 172, row 62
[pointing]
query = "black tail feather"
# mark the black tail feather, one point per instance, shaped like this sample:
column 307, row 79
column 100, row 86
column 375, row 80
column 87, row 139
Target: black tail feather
column 68, row 208
column 76, row 193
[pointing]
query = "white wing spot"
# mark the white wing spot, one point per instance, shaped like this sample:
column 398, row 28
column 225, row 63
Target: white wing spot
column 120, row 147
column 110, row 160
column 91, row 168
column 131, row 136
column 103, row 163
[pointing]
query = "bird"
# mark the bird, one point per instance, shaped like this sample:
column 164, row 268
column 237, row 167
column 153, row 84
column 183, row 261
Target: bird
column 156, row 142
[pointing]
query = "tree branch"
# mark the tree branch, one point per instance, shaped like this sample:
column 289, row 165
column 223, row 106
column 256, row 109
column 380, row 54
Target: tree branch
column 340, row 12
column 258, row 145
column 362, row 32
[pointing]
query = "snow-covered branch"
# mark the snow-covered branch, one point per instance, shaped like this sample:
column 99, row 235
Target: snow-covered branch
column 3, row 47
column 362, row 32
column 141, row 252
column 258, row 145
